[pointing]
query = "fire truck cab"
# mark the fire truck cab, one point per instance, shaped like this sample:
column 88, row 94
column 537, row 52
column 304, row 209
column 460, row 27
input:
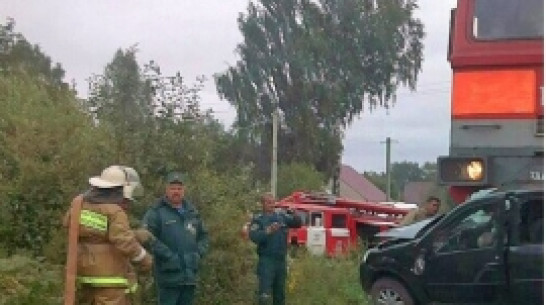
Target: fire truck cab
column 331, row 226
column 324, row 230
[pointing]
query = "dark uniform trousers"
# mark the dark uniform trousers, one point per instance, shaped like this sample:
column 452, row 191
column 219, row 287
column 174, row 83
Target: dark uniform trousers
column 181, row 295
column 272, row 279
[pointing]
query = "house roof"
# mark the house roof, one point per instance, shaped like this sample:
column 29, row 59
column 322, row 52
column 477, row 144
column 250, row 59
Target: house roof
column 360, row 184
column 417, row 191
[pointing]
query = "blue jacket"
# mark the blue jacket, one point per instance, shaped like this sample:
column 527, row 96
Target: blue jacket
column 274, row 244
column 181, row 242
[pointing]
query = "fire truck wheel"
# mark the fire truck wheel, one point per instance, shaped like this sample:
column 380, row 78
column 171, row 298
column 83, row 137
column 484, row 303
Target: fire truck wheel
column 389, row 291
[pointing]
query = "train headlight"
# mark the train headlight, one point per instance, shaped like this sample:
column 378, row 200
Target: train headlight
column 462, row 170
column 475, row 170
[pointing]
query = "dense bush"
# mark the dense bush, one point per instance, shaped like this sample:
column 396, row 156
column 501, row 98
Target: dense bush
column 26, row 281
column 48, row 147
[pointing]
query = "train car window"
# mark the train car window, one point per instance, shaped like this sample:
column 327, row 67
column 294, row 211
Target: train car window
column 339, row 221
column 508, row 19
column 316, row 219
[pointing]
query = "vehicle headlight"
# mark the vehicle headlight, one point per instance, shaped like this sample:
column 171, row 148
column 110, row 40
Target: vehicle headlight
column 419, row 265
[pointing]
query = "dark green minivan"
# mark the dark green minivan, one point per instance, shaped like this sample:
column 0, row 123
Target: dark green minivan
column 488, row 250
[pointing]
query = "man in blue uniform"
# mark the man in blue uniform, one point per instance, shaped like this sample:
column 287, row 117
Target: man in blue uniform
column 269, row 231
column 183, row 240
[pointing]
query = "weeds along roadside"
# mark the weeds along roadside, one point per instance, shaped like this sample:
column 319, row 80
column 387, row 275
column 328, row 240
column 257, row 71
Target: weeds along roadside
column 311, row 280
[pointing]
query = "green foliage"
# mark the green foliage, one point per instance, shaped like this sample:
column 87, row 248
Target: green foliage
column 320, row 280
column 49, row 146
column 51, row 143
column 317, row 61
column 24, row 281
column 120, row 101
column 156, row 120
column 17, row 54
column 224, row 201
column 430, row 170
column 297, row 176
column 229, row 261
column 402, row 173
column 172, row 99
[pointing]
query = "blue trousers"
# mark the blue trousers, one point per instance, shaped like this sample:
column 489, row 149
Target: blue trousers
column 272, row 280
column 181, row 295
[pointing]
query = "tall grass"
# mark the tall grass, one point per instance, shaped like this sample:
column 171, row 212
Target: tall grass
column 312, row 280
column 320, row 280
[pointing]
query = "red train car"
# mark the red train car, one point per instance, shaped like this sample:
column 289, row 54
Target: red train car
column 496, row 51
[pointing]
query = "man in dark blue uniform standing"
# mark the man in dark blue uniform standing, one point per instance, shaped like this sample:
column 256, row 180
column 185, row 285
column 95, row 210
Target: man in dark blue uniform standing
column 269, row 231
column 181, row 241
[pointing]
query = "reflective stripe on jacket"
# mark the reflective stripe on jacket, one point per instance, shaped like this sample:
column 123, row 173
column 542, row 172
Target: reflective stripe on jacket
column 96, row 281
column 93, row 220
column 108, row 282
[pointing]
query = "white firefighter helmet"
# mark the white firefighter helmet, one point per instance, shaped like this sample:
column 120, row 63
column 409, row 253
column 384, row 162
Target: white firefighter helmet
column 117, row 175
column 133, row 187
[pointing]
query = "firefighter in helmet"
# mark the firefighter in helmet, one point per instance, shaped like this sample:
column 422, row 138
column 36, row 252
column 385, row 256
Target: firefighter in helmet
column 107, row 247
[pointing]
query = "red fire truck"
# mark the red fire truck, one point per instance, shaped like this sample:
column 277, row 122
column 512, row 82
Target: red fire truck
column 496, row 51
column 332, row 225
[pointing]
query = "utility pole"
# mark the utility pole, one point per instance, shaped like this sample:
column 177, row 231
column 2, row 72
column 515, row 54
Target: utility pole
column 274, row 154
column 388, row 167
column 336, row 183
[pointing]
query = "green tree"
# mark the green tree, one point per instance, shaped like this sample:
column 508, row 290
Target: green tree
column 297, row 176
column 17, row 54
column 404, row 172
column 172, row 98
column 317, row 61
column 430, row 171
column 155, row 119
column 120, row 99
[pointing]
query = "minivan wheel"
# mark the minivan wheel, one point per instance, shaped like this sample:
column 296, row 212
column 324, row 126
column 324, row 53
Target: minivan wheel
column 387, row 291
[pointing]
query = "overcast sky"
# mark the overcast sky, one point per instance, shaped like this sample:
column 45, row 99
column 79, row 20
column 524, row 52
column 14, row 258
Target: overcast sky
column 199, row 37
